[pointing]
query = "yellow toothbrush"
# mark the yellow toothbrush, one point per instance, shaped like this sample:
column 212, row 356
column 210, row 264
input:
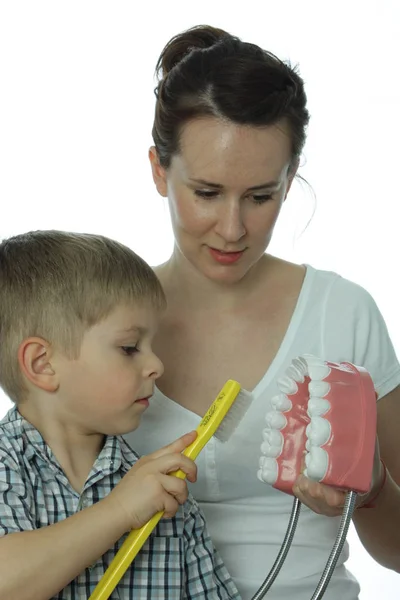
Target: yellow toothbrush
column 215, row 422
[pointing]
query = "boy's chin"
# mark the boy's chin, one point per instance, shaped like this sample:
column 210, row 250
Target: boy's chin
column 122, row 428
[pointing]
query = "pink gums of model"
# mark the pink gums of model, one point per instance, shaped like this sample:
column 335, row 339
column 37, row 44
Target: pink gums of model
column 331, row 423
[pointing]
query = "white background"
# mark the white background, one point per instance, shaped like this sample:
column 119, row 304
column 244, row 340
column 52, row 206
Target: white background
column 76, row 108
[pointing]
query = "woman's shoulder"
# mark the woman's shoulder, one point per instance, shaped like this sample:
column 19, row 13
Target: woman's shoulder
column 316, row 285
column 338, row 289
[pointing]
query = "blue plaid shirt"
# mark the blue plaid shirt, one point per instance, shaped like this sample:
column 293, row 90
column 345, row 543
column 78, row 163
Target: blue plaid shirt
column 177, row 562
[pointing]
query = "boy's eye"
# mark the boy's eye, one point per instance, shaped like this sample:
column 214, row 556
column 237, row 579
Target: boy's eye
column 129, row 350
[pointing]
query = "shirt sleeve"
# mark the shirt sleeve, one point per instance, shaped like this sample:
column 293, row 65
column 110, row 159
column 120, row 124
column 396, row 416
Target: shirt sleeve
column 355, row 330
column 206, row 574
column 15, row 513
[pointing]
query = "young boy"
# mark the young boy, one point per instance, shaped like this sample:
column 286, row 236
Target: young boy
column 78, row 314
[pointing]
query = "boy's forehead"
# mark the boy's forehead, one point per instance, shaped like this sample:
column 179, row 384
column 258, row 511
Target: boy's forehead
column 135, row 319
column 135, row 329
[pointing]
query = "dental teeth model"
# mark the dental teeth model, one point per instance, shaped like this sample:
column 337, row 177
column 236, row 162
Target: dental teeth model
column 325, row 415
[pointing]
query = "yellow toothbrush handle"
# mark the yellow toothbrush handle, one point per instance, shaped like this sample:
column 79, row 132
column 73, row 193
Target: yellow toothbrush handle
column 135, row 540
column 126, row 554
column 123, row 559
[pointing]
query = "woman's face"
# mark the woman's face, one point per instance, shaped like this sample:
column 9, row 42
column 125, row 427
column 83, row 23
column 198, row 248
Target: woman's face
column 225, row 190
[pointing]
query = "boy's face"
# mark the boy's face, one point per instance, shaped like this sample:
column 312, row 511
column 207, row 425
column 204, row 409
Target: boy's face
column 106, row 390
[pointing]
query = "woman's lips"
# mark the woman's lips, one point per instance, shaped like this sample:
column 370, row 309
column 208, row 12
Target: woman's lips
column 225, row 258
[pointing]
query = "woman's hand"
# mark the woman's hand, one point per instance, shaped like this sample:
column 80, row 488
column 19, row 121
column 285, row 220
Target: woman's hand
column 329, row 501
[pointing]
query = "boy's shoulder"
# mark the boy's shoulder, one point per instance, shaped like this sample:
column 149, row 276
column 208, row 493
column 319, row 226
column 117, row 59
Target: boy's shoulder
column 11, row 418
column 13, row 442
column 20, row 443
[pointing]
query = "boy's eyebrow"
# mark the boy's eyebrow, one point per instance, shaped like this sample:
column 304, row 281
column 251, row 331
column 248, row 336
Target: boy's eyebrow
column 135, row 329
column 263, row 186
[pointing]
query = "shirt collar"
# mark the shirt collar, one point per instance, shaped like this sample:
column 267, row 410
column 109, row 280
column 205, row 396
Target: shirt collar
column 114, row 455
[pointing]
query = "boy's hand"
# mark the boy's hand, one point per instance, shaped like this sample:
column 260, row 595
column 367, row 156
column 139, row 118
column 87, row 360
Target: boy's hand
column 147, row 488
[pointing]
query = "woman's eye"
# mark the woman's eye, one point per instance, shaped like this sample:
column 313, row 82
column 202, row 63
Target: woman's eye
column 209, row 194
column 260, row 199
column 129, row 350
column 206, row 193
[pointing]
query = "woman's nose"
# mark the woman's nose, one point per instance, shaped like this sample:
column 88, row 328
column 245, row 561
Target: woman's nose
column 230, row 225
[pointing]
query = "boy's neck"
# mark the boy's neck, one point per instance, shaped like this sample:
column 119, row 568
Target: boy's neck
column 75, row 450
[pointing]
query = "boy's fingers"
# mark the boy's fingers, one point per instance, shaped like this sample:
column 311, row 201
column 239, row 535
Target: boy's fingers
column 175, row 462
column 177, row 446
column 171, row 506
column 175, row 487
column 187, row 465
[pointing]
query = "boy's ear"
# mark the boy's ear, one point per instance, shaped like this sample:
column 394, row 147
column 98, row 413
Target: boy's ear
column 159, row 172
column 34, row 358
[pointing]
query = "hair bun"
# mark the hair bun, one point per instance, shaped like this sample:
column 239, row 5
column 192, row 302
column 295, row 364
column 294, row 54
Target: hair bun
column 198, row 37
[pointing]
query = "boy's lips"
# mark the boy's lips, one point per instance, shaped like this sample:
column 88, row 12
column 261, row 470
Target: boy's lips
column 144, row 401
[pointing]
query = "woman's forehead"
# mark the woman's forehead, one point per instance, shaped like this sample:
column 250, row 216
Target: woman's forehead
column 212, row 150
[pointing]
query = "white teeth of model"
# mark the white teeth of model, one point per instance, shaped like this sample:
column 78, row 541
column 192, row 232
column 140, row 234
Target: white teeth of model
column 318, row 372
column 318, row 431
column 269, row 450
column 272, row 444
column 308, row 445
column 275, row 419
column 268, row 472
column 319, row 388
column 287, row 385
column 317, row 407
column 317, row 368
column 301, row 365
column 295, row 373
column 316, row 463
column 273, row 437
column 311, row 360
column 281, row 402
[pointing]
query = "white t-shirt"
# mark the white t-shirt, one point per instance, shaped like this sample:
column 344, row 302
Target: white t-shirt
column 336, row 320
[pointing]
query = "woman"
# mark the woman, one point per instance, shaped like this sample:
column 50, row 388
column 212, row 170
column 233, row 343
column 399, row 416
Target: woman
column 229, row 129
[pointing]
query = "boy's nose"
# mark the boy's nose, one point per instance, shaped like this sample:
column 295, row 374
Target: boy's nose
column 156, row 367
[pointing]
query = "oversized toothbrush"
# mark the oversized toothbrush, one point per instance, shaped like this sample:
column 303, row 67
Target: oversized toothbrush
column 220, row 420
column 325, row 415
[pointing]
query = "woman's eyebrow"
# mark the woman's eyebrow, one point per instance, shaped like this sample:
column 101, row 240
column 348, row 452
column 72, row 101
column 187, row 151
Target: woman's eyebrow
column 263, row 186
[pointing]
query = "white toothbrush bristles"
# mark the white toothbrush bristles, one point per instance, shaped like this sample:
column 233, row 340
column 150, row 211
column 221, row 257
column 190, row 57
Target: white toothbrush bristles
column 234, row 415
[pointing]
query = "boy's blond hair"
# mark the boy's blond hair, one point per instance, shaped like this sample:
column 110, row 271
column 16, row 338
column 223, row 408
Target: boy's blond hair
column 56, row 285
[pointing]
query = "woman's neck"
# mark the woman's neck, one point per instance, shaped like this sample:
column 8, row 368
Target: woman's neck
column 184, row 284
